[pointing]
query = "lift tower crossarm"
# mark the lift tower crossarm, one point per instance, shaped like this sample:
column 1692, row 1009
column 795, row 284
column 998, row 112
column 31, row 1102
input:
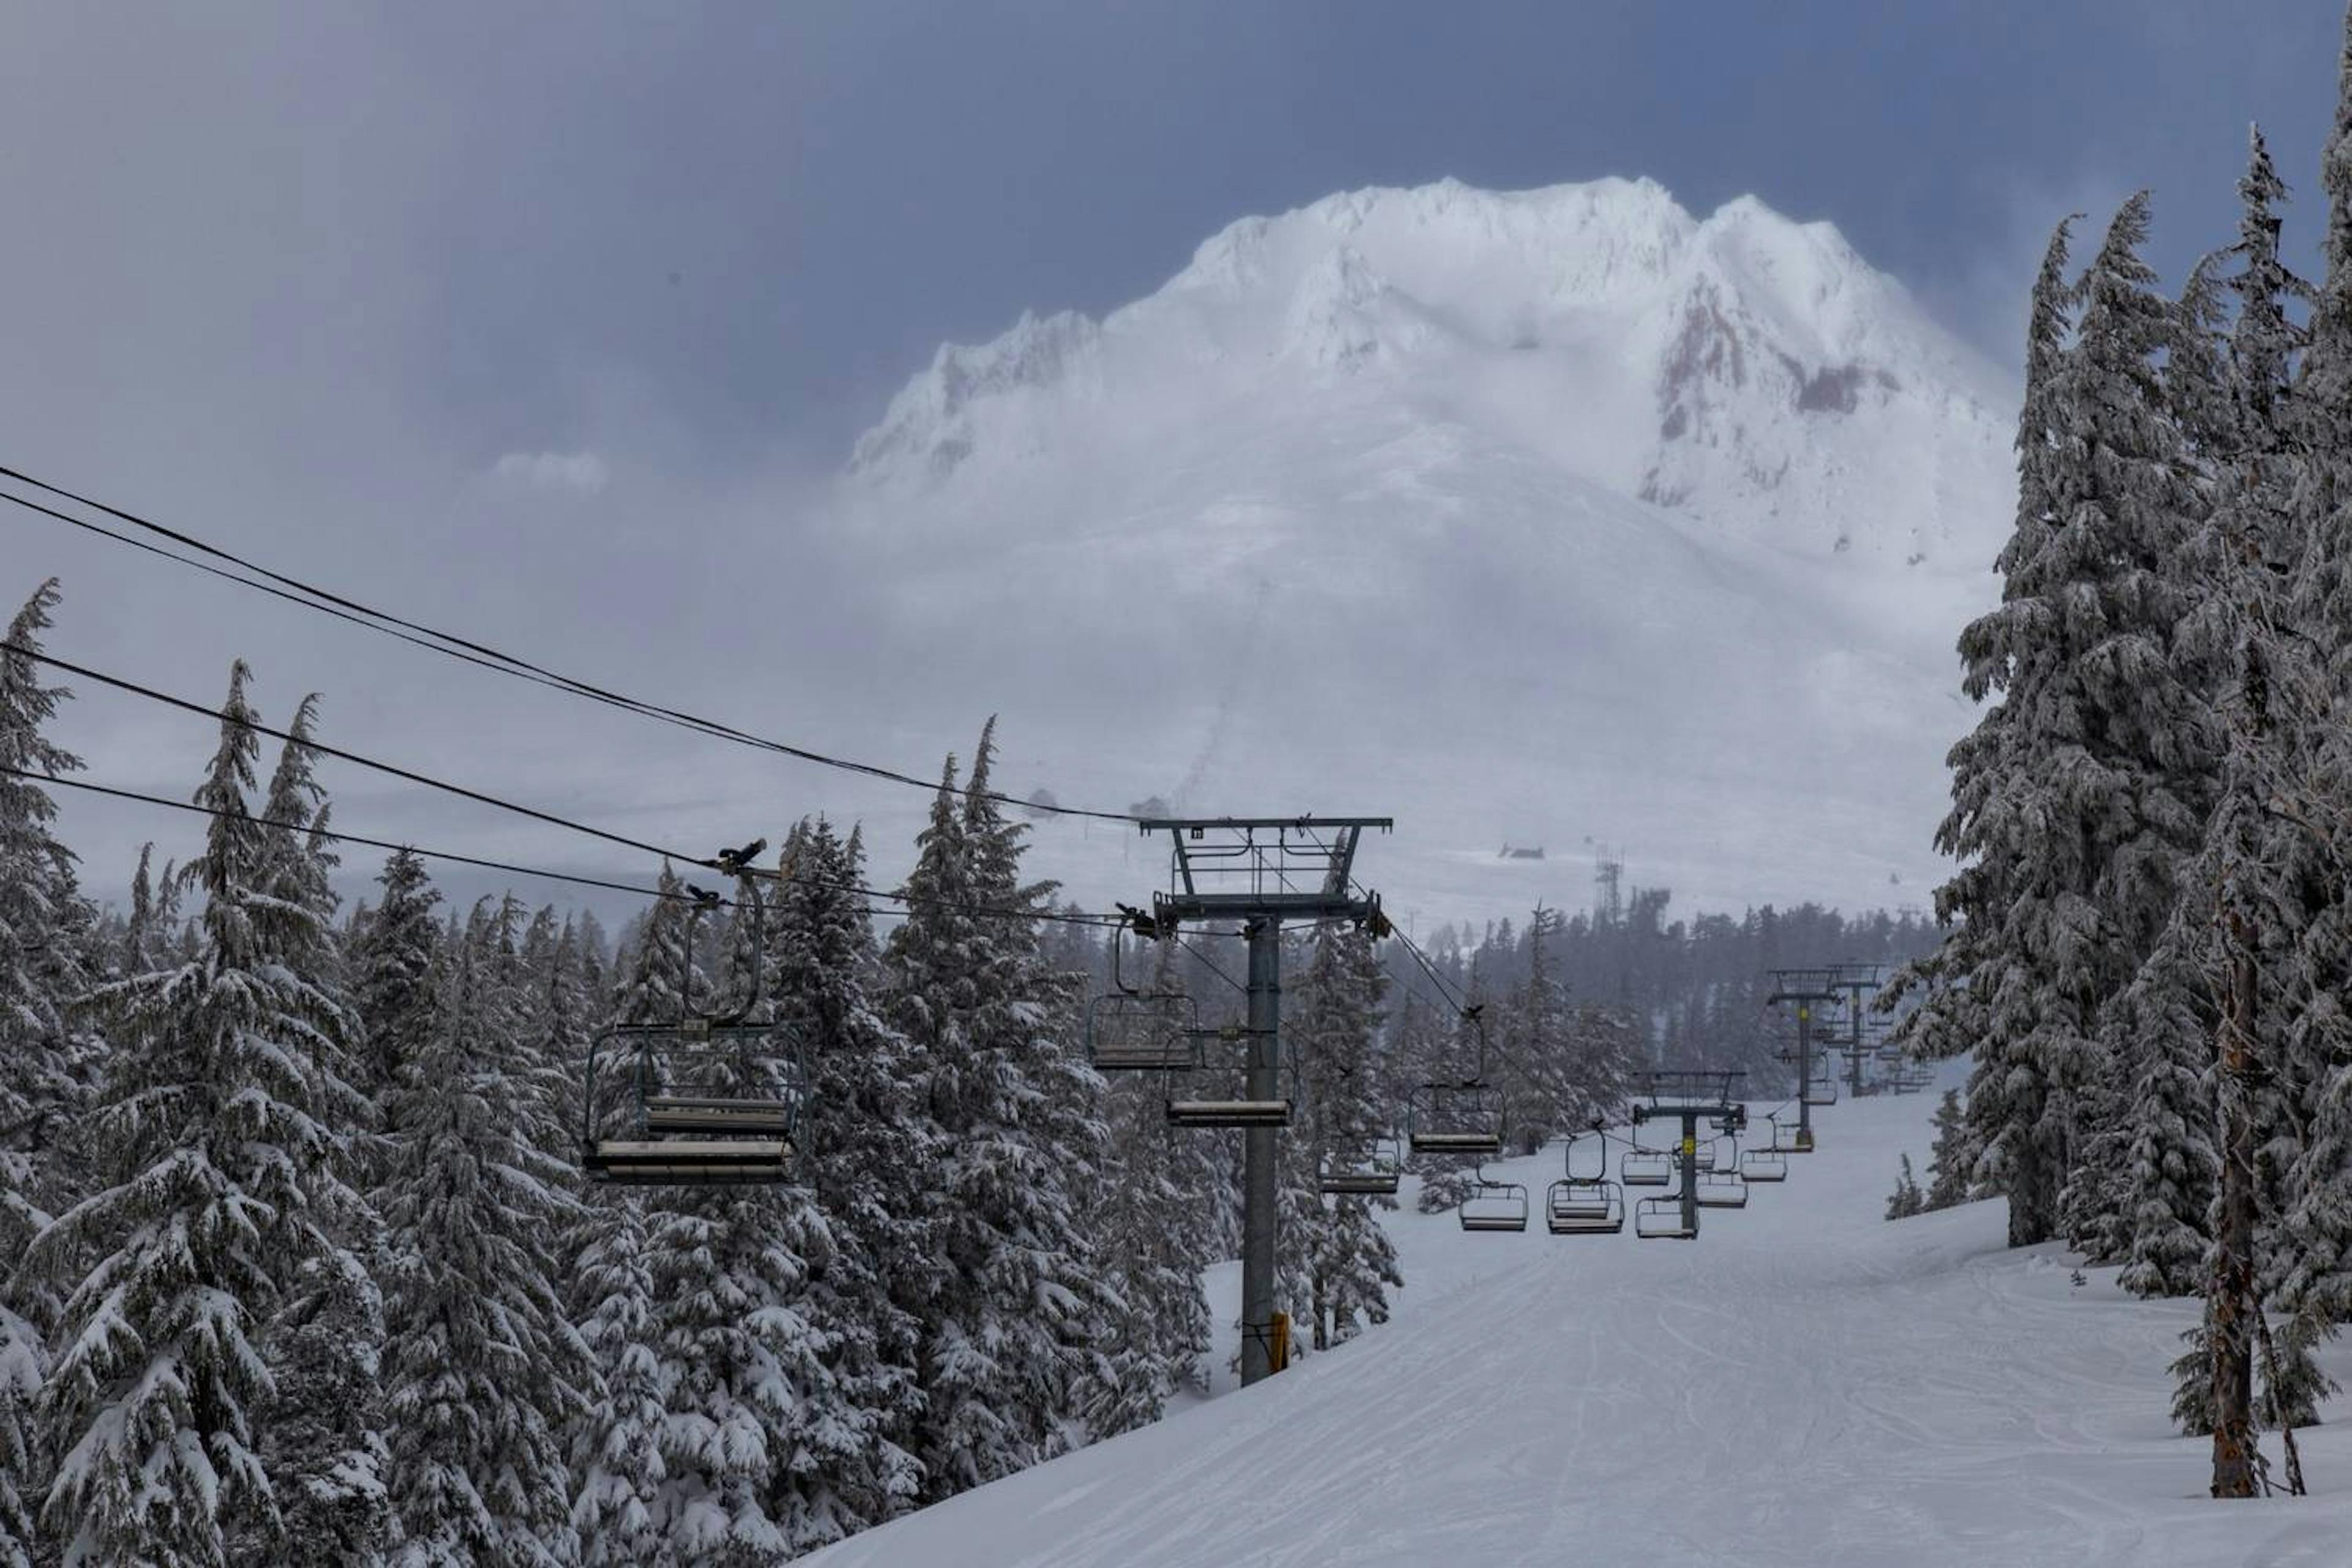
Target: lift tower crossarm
column 1260, row 871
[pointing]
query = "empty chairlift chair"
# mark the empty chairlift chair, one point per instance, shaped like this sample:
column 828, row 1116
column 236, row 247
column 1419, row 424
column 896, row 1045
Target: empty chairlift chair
column 1640, row 1167
column 1495, row 1205
column 1822, row 1091
column 1464, row 1119
column 1374, row 1175
column 1197, row 1111
column 699, row 1104
column 1661, row 1219
column 1584, row 1205
column 1766, row 1165
column 1141, row 1032
column 1721, row 1189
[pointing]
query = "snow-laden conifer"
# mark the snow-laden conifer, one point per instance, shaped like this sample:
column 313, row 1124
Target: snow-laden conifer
column 867, row 1155
column 217, row 1174
column 484, row 1375
column 618, row 1446
column 46, row 1066
column 394, row 990
column 322, row 1432
column 1350, row 1262
column 1153, row 1227
column 2001, row 913
column 968, row 991
column 45, row 962
column 1949, row 1157
column 1907, row 1199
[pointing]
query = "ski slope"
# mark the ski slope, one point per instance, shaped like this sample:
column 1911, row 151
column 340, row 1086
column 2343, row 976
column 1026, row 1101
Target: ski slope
column 1805, row 1384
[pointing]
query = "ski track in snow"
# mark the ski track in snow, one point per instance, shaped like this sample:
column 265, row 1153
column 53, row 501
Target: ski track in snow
column 1804, row 1385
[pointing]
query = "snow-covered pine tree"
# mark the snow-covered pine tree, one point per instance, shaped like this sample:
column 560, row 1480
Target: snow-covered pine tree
column 617, row 1447
column 1033, row 1022
column 216, row 1172
column 1949, row 1157
column 2306, row 1259
column 483, row 1374
column 1537, row 1069
column 865, row 1152
column 2136, row 751
column 2079, row 797
column 1015, row 1290
column 49, row 1066
column 1606, row 1044
column 1350, row 1259
column 619, row 1439
column 323, row 1430
column 2243, row 909
column 1907, row 1199
column 1152, row 1220
column 1995, row 904
column 44, row 957
column 395, row 989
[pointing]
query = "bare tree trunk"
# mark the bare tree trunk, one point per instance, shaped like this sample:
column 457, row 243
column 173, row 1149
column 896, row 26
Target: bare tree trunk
column 2230, row 1298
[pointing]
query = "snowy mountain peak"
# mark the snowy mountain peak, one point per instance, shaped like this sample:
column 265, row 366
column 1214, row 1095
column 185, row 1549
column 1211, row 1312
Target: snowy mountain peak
column 1745, row 369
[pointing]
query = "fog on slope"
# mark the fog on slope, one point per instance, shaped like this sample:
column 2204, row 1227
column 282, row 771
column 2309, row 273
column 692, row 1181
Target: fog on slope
column 1530, row 517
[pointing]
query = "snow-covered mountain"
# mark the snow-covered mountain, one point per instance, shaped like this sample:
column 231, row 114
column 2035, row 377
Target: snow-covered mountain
column 1532, row 516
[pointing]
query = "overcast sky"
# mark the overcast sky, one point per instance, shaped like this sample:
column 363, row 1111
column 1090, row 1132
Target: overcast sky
column 536, row 319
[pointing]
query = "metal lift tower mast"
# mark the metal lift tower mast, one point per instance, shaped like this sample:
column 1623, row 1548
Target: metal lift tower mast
column 1855, row 979
column 1260, row 871
column 1688, row 1097
column 1806, row 988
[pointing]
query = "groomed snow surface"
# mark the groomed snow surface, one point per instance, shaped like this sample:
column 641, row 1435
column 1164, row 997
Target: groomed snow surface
column 1805, row 1384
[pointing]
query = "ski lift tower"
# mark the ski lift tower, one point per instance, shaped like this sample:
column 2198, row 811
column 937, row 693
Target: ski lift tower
column 1853, row 979
column 1808, row 988
column 1262, row 871
column 1687, row 1097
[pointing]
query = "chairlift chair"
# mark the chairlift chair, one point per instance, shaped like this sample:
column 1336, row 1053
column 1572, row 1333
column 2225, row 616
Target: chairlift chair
column 1375, row 1176
column 1788, row 1138
column 702, row 1105
column 1584, row 1205
column 1229, row 1114
column 1141, row 1032
column 1495, row 1205
column 1717, row 1190
column 1661, row 1219
column 1767, row 1164
column 1139, row 1028
column 1457, row 1118
column 1462, row 1115
column 1822, row 1091
column 1243, row 1112
column 1640, row 1167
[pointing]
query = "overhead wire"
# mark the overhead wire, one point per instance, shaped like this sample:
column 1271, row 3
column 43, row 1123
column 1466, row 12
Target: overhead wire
column 533, row 813
column 343, row 836
column 482, row 655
